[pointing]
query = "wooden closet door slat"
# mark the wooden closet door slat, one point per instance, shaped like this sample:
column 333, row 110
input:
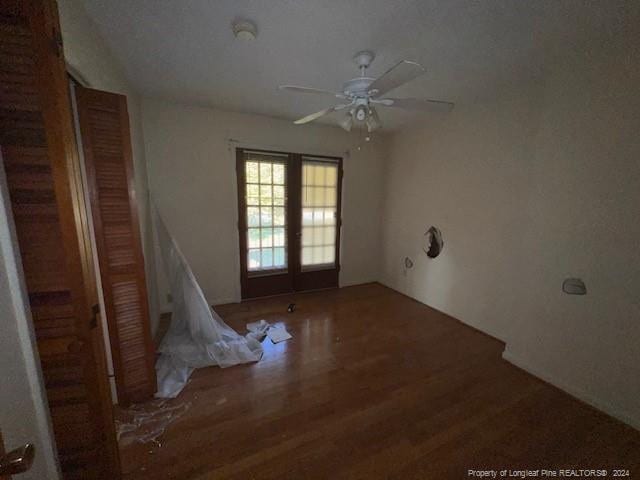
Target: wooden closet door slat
column 104, row 127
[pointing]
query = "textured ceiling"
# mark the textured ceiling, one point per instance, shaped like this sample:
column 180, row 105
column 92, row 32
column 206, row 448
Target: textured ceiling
column 186, row 51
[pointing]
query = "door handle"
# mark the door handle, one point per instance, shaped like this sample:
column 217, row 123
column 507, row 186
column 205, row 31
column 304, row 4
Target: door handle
column 18, row 460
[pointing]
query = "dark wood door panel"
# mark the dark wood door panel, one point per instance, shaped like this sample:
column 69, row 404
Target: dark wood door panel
column 323, row 273
column 316, row 280
column 104, row 127
column 275, row 278
column 266, row 286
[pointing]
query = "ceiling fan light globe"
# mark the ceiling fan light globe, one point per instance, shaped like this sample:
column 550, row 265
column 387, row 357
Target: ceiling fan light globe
column 347, row 122
column 373, row 121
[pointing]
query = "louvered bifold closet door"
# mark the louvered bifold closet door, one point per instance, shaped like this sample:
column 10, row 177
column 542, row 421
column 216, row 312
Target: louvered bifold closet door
column 42, row 172
column 104, row 127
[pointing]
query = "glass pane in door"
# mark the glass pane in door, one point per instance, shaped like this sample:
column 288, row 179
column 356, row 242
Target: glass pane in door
column 266, row 201
column 319, row 214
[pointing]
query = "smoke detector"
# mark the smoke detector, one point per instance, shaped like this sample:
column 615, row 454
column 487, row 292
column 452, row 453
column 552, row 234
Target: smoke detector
column 244, row 30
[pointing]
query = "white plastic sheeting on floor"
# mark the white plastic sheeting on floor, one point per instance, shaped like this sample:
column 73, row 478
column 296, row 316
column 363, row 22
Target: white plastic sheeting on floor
column 197, row 336
column 146, row 422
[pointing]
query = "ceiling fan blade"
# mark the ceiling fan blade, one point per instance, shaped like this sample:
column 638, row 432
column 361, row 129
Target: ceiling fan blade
column 420, row 104
column 296, row 88
column 399, row 74
column 321, row 113
column 314, row 116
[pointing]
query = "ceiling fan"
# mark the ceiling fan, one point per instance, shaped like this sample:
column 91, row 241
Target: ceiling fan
column 362, row 94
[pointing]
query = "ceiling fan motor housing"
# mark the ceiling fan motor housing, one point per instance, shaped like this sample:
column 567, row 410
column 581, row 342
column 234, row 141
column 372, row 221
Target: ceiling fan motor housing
column 357, row 87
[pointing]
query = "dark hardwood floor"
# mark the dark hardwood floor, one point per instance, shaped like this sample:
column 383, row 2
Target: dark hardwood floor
column 375, row 385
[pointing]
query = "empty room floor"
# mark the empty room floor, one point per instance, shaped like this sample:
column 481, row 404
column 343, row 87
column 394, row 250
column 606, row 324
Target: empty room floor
column 374, row 385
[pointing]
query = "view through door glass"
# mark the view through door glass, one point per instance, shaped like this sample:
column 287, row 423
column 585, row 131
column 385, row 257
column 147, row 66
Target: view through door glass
column 319, row 199
column 266, row 213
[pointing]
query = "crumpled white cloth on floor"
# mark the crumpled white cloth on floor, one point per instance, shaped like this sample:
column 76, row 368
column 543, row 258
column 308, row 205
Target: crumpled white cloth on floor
column 276, row 333
column 258, row 330
column 197, row 336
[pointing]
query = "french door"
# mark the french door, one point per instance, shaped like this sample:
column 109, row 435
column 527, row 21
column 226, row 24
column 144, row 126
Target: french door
column 289, row 221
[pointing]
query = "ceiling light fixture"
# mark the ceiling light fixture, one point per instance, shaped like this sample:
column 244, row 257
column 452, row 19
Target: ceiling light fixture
column 346, row 122
column 363, row 92
column 373, row 121
column 244, row 30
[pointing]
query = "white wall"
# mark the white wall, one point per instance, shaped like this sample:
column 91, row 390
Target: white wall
column 193, row 181
column 89, row 58
column 582, row 220
column 541, row 184
column 467, row 175
column 24, row 415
